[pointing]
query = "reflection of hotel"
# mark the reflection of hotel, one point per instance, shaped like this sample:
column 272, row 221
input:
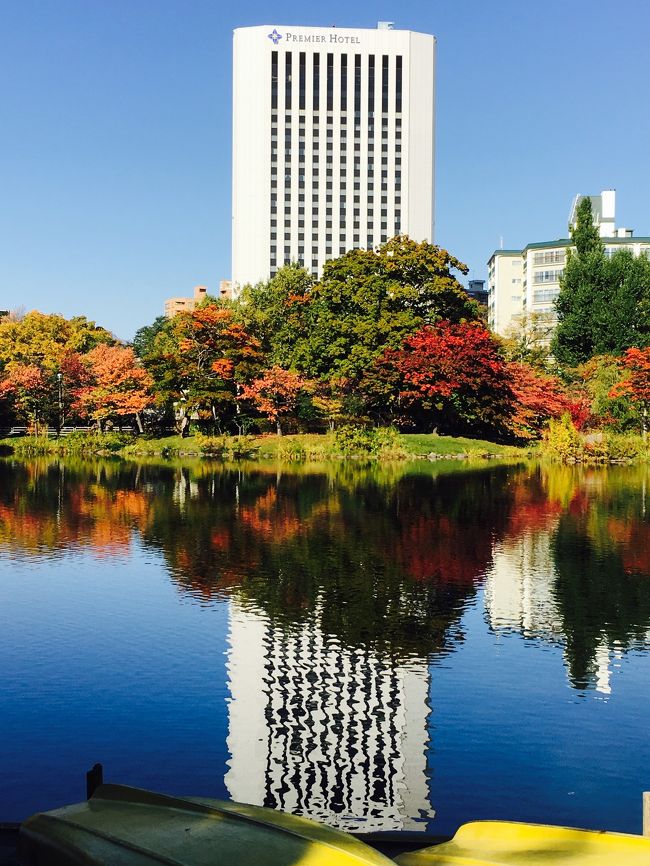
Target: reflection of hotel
column 519, row 587
column 319, row 729
column 519, row 596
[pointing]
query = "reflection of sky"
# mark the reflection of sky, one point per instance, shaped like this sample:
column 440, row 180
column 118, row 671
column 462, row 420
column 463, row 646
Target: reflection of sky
column 103, row 661
column 511, row 739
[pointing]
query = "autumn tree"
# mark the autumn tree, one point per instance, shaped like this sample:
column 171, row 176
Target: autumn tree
column 636, row 382
column 454, row 378
column 43, row 340
column 538, row 398
column 29, row 392
column 200, row 361
column 118, row 387
column 276, row 394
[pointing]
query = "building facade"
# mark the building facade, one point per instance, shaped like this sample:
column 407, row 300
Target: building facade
column 333, row 143
column 525, row 283
column 179, row 305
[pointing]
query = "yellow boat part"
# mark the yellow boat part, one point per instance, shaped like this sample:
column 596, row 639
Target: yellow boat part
column 123, row 826
column 505, row 843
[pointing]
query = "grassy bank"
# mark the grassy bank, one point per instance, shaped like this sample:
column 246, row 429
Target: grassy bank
column 351, row 444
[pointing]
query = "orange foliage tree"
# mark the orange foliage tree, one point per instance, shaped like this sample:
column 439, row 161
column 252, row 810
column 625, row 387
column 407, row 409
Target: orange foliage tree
column 636, row 384
column 276, row 393
column 118, row 387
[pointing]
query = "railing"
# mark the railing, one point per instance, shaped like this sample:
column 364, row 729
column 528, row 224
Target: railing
column 8, row 432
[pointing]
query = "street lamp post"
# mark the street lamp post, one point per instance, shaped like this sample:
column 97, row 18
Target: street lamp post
column 59, row 379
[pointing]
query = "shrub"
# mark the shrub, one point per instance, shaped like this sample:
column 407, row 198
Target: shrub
column 562, row 441
column 374, row 443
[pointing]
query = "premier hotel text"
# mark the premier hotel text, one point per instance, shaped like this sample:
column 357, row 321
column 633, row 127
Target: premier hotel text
column 330, row 37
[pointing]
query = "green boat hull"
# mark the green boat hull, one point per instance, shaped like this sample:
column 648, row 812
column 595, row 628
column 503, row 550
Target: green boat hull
column 122, row 826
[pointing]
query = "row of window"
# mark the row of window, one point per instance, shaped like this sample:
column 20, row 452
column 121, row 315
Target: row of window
column 342, row 89
column 543, row 296
column 549, row 257
column 547, row 276
column 275, row 262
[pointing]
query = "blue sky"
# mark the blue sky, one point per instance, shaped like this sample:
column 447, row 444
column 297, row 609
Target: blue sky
column 115, row 135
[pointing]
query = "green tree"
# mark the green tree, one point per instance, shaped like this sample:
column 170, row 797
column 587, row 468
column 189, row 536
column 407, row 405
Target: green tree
column 275, row 312
column 370, row 300
column 145, row 337
column 582, row 286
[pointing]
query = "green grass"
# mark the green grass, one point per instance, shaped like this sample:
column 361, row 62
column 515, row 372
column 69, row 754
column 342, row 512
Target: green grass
column 423, row 444
column 299, row 446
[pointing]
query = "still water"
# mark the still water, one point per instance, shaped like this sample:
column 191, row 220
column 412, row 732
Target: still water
column 405, row 648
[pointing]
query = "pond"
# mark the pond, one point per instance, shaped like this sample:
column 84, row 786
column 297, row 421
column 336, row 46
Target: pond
column 408, row 647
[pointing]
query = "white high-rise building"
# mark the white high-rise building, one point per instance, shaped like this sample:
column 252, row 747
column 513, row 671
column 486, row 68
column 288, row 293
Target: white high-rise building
column 333, row 143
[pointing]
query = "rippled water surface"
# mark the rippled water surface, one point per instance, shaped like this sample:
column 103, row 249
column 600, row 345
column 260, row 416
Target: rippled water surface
column 411, row 648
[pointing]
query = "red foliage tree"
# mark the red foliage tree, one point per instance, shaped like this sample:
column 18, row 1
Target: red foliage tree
column 454, row 374
column 29, row 389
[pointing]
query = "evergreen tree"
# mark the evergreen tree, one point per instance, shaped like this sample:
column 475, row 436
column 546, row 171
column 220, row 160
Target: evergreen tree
column 604, row 303
column 582, row 286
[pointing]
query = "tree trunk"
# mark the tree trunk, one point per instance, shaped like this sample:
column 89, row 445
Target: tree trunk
column 138, row 421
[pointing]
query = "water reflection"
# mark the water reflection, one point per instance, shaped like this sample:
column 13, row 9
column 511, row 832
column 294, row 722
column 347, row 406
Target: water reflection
column 575, row 571
column 325, row 730
column 346, row 587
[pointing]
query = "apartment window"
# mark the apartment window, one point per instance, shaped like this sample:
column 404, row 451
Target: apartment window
column 274, row 79
column 330, row 82
column 398, row 84
column 547, row 276
column 384, row 83
column 550, row 257
column 301, row 83
column 287, row 80
column 543, row 296
column 371, row 85
column 316, row 84
column 344, row 83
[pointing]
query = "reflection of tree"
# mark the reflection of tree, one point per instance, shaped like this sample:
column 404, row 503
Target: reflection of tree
column 384, row 566
column 386, row 559
column 601, row 550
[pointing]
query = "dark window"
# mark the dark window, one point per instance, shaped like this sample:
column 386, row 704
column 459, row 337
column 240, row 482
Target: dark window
column 330, row 82
column 344, row 82
column 371, row 85
column 274, row 79
column 301, row 83
column 316, row 83
column 384, row 83
column 287, row 80
column 398, row 85
column 357, row 83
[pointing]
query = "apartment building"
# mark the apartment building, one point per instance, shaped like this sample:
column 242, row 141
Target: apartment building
column 525, row 282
